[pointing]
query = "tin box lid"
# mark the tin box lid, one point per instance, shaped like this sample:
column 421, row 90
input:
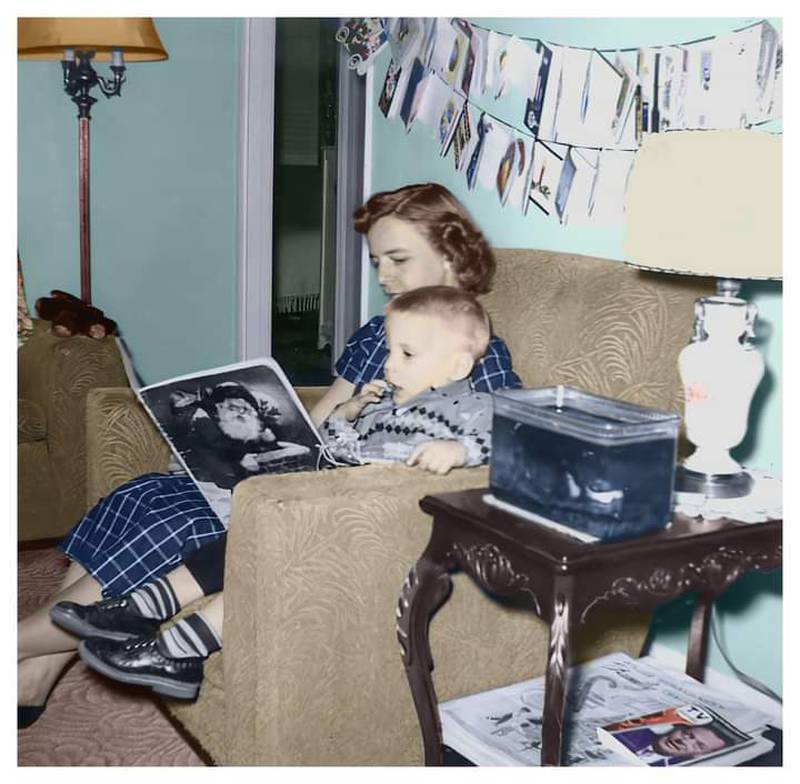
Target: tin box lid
column 585, row 415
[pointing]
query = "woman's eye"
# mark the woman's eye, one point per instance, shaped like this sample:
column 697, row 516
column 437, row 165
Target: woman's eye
column 397, row 260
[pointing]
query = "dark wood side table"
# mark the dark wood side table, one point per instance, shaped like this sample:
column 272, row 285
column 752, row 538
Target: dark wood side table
column 566, row 581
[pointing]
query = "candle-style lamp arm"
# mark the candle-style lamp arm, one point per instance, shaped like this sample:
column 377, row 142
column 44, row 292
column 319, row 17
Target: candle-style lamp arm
column 80, row 78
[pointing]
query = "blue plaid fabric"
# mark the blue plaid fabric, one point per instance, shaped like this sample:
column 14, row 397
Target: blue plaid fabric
column 141, row 531
column 365, row 354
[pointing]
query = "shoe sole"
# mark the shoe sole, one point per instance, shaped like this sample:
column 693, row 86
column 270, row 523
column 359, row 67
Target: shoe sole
column 80, row 628
column 165, row 686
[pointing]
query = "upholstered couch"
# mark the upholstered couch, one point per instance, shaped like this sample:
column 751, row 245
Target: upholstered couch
column 311, row 671
column 54, row 375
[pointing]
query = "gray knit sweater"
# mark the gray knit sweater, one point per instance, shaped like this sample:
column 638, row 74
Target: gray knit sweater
column 385, row 431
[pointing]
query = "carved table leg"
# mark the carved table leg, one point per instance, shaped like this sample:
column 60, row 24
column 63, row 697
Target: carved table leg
column 423, row 592
column 698, row 636
column 558, row 658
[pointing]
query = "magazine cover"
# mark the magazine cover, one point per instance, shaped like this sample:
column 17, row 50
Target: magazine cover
column 673, row 736
column 230, row 423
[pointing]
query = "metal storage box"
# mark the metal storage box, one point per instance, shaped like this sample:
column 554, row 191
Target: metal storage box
column 598, row 466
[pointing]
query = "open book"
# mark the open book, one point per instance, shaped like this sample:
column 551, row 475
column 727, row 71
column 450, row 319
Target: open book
column 678, row 735
column 230, row 423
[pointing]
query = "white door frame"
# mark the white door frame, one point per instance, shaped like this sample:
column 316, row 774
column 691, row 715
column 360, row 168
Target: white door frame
column 255, row 194
column 254, row 198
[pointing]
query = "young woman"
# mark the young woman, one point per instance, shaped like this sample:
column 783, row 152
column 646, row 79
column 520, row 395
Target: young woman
column 418, row 235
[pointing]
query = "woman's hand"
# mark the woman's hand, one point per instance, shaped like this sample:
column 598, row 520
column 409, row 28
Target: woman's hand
column 438, row 457
column 370, row 393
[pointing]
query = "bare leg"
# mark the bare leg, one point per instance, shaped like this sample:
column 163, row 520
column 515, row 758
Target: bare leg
column 43, row 649
column 185, row 586
column 214, row 612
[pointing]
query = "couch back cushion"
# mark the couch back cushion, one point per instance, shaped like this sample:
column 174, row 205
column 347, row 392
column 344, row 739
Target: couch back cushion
column 595, row 324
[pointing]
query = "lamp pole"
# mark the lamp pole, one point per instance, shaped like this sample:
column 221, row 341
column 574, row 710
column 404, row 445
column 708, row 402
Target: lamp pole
column 79, row 79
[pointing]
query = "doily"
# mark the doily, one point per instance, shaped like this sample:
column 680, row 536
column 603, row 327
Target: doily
column 764, row 502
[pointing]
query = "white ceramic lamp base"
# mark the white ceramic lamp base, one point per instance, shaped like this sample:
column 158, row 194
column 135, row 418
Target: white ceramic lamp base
column 720, row 371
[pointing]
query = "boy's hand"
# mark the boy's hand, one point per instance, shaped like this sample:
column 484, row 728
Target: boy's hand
column 438, row 456
column 370, row 393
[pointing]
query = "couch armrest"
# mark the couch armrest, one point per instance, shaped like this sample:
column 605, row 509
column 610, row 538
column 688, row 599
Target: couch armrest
column 121, row 441
column 312, row 668
column 31, row 422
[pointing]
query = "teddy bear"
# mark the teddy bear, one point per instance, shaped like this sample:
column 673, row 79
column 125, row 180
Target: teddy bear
column 72, row 316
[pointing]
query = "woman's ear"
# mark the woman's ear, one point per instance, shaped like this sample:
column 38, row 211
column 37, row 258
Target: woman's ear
column 450, row 277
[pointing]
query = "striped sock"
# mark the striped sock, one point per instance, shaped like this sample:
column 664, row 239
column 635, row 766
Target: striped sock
column 156, row 599
column 192, row 636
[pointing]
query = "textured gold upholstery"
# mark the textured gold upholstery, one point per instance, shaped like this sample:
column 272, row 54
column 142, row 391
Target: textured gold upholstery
column 54, row 376
column 311, row 670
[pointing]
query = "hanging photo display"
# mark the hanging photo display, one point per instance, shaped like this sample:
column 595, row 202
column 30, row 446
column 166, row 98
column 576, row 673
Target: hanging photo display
column 584, row 112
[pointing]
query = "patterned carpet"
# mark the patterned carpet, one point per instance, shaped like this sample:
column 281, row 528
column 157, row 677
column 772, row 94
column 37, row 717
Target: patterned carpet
column 90, row 720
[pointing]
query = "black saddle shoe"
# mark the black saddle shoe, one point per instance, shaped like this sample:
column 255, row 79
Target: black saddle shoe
column 142, row 662
column 111, row 619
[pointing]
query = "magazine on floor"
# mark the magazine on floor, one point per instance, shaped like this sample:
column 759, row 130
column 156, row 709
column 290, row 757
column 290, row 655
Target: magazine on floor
column 504, row 726
column 678, row 735
column 229, row 423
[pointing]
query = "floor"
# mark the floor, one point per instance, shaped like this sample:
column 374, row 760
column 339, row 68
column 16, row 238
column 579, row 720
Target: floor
column 89, row 720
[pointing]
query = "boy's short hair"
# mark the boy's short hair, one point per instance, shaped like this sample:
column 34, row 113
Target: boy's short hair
column 457, row 309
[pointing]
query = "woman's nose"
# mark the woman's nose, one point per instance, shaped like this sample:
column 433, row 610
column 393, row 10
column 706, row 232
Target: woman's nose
column 384, row 271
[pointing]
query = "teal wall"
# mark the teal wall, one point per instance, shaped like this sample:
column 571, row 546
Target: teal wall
column 752, row 609
column 163, row 199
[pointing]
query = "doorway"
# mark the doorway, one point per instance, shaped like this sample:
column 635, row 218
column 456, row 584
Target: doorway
column 301, row 176
column 304, row 198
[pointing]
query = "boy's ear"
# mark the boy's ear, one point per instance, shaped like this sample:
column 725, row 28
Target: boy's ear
column 461, row 366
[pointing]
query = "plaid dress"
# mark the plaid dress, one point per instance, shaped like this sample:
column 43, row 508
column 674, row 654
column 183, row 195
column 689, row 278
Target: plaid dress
column 142, row 530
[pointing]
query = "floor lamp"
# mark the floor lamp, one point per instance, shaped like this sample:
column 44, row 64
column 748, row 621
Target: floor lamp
column 76, row 42
column 709, row 203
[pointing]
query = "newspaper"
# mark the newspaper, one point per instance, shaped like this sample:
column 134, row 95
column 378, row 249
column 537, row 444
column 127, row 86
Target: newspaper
column 504, row 726
column 230, row 423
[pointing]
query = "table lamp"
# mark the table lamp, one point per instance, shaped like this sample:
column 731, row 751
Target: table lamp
column 76, row 41
column 709, row 203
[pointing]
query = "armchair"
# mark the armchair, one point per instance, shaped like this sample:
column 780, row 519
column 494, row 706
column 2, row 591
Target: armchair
column 310, row 672
column 54, row 375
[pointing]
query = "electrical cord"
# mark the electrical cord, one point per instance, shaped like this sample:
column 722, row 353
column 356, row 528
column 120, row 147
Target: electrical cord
column 749, row 680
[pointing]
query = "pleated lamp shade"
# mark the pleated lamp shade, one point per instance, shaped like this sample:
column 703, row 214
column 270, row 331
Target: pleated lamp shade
column 46, row 38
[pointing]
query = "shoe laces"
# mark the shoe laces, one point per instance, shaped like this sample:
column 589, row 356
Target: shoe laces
column 141, row 642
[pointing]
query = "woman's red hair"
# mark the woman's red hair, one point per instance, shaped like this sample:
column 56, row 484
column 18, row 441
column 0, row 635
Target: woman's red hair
column 444, row 222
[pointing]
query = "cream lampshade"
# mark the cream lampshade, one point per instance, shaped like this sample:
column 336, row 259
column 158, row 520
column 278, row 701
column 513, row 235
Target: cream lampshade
column 709, row 203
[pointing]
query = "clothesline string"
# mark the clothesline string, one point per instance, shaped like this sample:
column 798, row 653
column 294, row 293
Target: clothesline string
column 624, row 49
column 526, row 132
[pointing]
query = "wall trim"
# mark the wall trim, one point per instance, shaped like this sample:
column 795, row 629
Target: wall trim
column 254, row 197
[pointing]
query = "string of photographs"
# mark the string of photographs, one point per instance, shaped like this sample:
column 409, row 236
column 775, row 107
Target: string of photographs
column 583, row 112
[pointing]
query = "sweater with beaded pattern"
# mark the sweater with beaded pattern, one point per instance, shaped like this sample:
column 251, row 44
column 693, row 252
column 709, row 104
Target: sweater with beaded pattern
column 385, row 431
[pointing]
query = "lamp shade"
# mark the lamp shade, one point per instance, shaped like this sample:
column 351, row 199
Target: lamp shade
column 46, row 38
column 706, row 203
